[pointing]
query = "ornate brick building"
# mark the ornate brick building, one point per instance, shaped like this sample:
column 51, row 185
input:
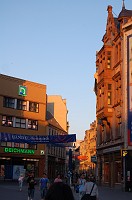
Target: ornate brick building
column 111, row 88
column 88, row 150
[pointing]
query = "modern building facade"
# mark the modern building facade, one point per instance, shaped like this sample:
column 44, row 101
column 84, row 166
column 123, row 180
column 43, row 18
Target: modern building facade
column 22, row 112
column 112, row 93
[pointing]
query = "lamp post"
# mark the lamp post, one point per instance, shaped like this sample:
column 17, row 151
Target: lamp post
column 70, row 163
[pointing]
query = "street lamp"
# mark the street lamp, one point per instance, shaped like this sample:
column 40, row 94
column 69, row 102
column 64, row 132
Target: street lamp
column 70, row 163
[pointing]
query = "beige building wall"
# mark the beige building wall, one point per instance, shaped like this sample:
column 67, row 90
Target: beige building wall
column 88, row 149
column 58, row 108
column 36, row 93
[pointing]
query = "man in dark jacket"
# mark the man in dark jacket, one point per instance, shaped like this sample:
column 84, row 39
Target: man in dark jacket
column 31, row 183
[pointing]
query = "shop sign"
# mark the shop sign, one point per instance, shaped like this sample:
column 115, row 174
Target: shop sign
column 124, row 152
column 94, row 159
column 22, row 90
column 19, row 151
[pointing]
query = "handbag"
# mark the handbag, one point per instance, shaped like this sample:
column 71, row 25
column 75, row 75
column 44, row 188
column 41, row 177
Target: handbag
column 88, row 196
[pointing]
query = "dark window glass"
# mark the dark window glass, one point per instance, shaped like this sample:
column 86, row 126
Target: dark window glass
column 8, row 102
column 32, row 146
column 3, row 144
column 32, row 124
column 109, row 86
column 33, row 107
column 7, row 121
column 20, row 123
column 21, row 104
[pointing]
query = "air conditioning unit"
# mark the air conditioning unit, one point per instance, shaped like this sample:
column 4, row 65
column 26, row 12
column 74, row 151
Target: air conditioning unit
column 41, row 152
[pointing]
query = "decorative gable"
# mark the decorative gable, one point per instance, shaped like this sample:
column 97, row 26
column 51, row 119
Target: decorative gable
column 111, row 29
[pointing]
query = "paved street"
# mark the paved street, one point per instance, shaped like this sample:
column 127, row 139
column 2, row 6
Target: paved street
column 10, row 191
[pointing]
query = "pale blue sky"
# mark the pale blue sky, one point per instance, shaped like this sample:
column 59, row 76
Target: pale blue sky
column 54, row 42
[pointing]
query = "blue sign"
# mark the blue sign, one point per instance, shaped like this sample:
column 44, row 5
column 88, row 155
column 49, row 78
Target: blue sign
column 36, row 139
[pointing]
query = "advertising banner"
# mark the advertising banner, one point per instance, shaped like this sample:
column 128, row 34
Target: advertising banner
column 36, row 139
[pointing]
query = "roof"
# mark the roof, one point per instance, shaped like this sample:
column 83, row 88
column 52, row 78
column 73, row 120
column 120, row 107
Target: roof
column 125, row 13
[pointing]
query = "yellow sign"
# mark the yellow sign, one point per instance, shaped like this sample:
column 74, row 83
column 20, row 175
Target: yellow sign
column 124, row 152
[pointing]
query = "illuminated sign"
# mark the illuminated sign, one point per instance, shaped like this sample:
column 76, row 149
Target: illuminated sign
column 22, row 90
column 17, row 150
column 124, row 152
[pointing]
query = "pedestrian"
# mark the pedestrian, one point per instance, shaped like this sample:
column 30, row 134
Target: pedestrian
column 20, row 181
column 91, row 190
column 81, row 183
column 43, row 185
column 58, row 179
column 59, row 191
column 31, row 186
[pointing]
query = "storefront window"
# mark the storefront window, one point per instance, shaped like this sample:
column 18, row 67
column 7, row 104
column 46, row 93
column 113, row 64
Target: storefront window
column 22, row 145
column 3, row 144
column 32, row 146
column 16, row 144
column 9, row 144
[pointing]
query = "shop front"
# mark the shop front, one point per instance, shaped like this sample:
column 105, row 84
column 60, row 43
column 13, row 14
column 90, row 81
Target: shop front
column 15, row 161
column 110, row 169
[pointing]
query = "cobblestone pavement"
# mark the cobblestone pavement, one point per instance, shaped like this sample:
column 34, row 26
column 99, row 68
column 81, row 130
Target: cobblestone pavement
column 10, row 191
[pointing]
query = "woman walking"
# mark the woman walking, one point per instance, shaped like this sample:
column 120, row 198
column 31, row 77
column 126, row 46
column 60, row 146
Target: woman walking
column 91, row 190
column 20, row 181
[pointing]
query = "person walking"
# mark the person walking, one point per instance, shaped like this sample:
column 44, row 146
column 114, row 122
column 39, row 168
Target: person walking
column 20, row 181
column 91, row 190
column 31, row 186
column 81, row 182
column 59, row 191
column 58, row 179
column 43, row 185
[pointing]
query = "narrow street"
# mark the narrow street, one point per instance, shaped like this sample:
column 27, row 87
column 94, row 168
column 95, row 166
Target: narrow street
column 9, row 190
